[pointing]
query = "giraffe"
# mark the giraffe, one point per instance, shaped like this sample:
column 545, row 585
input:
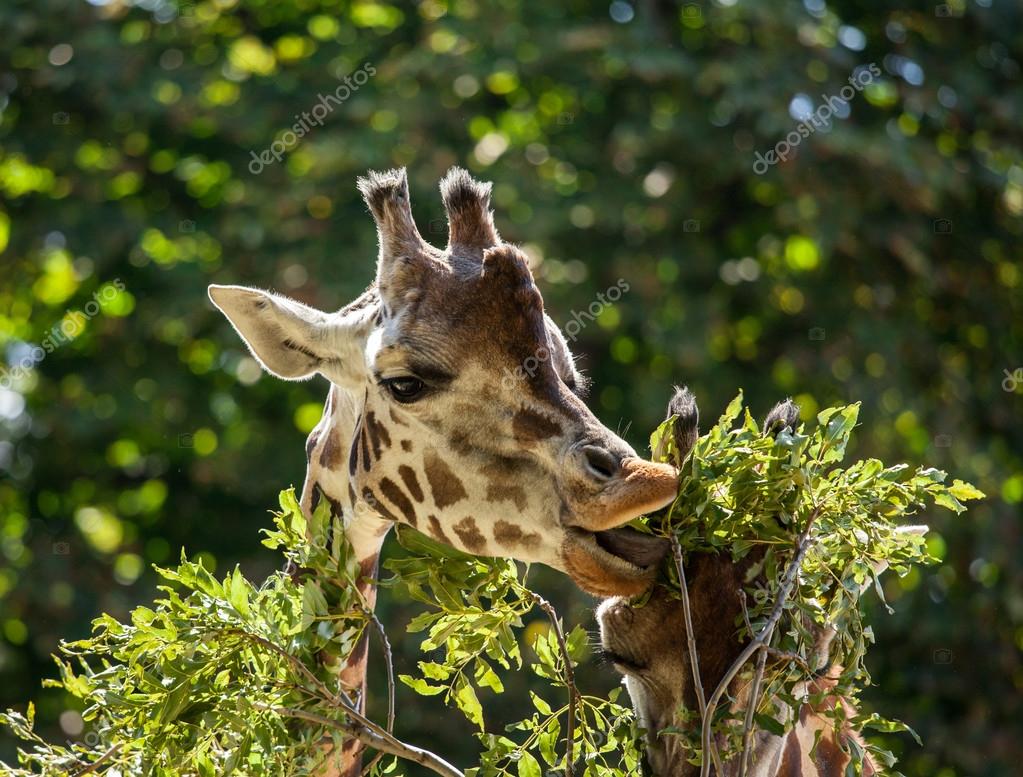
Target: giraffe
column 648, row 645
column 432, row 421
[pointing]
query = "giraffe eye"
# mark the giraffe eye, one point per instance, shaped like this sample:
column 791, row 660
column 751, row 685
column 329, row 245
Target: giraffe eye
column 405, row 389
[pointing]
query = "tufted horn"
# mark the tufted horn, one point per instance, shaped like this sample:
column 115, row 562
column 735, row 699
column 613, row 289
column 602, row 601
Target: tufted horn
column 387, row 196
column 467, row 202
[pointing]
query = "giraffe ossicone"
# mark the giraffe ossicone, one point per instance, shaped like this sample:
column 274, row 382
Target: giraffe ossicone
column 422, row 424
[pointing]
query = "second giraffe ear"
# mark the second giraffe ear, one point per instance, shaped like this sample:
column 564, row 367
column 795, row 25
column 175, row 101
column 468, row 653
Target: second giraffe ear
column 290, row 340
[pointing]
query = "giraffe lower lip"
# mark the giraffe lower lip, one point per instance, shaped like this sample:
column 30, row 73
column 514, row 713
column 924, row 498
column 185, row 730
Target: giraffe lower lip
column 641, row 550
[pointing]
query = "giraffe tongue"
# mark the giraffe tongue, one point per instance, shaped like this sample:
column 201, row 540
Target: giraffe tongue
column 633, row 546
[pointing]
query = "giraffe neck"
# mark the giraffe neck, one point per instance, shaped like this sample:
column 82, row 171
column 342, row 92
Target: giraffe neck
column 811, row 748
column 327, row 451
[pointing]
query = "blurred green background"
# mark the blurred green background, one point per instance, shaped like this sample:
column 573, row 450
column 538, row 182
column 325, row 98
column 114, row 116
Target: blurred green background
column 881, row 262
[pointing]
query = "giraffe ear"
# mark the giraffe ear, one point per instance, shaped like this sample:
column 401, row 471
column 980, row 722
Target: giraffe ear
column 291, row 340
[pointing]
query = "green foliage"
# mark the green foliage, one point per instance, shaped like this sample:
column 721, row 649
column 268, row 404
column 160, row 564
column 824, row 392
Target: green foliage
column 202, row 681
column 223, row 677
column 618, row 151
column 744, row 492
column 475, row 606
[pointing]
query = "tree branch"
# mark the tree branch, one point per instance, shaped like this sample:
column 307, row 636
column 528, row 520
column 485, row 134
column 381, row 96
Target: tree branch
column 90, row 768
column 751, row 709
column 382, row 741
column 573, row 692
column 694, row 662
column 388, row 661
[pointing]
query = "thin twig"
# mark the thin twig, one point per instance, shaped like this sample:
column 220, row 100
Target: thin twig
column 385, row 743
column 573, row 692
column 694, row 662
column 341, row 699
column 90, row 768
column 757, row 642
column 388, row 661
column 751, row 709
column 302, row 668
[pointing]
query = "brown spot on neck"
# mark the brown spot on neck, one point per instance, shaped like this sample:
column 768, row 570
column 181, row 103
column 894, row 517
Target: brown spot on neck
column 378, row 435
column 330, row 456
column 445, row 486
column 408, row 477
column 437, row 530
column 310, row 443
column 364, row 441
column 468, row 532
column 375, row 503
column 507, row 493
column 512, row 536
column 397, row 497
column 406, row 445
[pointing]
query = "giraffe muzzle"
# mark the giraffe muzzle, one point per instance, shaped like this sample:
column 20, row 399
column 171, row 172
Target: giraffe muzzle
column 602, row 555
column 626, row 488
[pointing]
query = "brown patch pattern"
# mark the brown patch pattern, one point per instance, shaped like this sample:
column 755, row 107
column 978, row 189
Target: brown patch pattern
column 438, row 531
column 330, row 456
column 408, row 477
column 406, row 445
column 507, row 493
column 511, row 536
column 378, row 434
column 374, row 501
column 528, row 426
column 447, row 489
column 397, row 497
column 468, row 532
column 364, row 441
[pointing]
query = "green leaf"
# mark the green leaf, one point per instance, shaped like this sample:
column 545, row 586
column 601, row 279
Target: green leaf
column 528, row 766
column 468, row 703
column 965, row 491
column 541, row 706
column 420, row 686
column 769, row 724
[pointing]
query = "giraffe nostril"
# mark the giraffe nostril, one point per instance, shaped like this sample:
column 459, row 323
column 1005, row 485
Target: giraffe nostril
column 601, row 463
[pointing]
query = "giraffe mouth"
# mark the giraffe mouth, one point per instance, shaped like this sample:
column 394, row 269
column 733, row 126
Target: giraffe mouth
column 635, row 547
column 613, row 562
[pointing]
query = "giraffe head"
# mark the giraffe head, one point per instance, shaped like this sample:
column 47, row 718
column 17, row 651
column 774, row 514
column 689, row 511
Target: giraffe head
column 463, row 402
